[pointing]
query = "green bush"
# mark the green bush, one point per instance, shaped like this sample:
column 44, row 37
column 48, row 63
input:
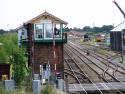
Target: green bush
column 14, row 55
column 48, row 89
column 18, row 91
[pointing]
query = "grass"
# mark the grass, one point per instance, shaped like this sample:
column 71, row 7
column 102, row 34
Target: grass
column 18, row 91
column 48, row 89
column 100, row 50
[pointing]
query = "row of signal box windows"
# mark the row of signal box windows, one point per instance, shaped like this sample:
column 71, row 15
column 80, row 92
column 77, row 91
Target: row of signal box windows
column 45, row 31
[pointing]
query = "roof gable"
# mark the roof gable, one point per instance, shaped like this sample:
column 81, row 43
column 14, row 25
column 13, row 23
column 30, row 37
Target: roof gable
column 119, row 27
column 46, row 15
column 43, row 16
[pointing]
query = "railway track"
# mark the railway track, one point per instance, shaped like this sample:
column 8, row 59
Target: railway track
column 101, row 70
column 113, row 68
column 104, row 52
column 79, row 63
column 77, row 72
column 92, row 65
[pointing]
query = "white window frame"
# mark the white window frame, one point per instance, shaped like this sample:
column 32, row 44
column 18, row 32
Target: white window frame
column 35, row 35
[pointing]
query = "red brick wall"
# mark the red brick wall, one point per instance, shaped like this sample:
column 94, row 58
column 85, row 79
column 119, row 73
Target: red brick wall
column 44, row 53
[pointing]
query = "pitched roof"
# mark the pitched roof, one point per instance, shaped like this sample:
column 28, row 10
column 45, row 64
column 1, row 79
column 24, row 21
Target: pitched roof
column 119, row 27
column 42, row 15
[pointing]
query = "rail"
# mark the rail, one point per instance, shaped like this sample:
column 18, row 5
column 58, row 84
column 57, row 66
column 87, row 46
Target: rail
column 80, row 53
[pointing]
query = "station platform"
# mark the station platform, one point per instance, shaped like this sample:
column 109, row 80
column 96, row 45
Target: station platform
column 96, row 86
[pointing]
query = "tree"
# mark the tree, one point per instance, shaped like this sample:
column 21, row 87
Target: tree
column 87, row 29
column 107, row 28
column 67, row 29
column 19, row 65
column 77, row 29
column 12, row 54
column 97, row 29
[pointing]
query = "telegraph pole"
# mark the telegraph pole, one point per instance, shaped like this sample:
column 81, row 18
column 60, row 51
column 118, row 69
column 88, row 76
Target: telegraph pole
column 66, row 82
column 30, row 49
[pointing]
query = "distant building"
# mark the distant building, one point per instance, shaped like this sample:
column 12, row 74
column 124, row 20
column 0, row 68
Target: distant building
column 117, row 37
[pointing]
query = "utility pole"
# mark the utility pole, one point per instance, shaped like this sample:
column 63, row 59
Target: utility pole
column 66, row 83
column 30, row 47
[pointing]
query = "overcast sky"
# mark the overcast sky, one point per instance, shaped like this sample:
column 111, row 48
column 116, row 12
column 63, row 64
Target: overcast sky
column 78, row 13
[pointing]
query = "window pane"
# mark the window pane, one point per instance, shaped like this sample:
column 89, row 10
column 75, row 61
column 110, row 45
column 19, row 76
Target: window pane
column 57, row 31
column 39, row 31
column 48, row 31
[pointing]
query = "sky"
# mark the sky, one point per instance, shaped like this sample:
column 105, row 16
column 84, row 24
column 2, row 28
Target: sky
column 78, row 13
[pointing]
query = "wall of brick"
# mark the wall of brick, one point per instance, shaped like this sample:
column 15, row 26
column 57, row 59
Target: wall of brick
column 43, row 53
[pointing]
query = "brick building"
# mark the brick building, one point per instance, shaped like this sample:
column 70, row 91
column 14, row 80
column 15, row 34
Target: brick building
column 44, row 36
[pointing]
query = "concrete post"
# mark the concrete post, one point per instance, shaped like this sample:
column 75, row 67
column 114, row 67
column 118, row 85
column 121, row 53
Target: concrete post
column 36, row 87
column 64, row 86
column 9, row 85
column 61, row 84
